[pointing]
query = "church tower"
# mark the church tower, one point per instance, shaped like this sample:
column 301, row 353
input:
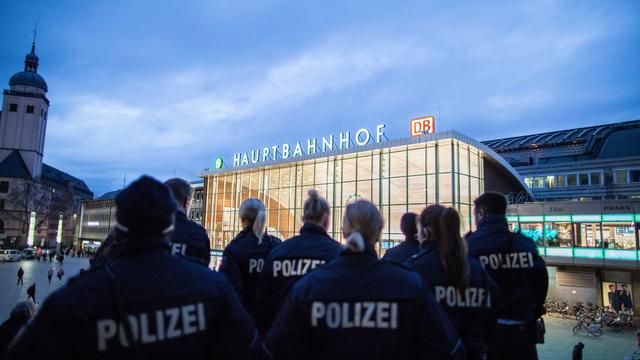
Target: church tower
column 23, row 119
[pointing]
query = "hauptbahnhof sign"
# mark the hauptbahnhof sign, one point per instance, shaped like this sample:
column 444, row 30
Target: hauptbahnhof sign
column 311, row 146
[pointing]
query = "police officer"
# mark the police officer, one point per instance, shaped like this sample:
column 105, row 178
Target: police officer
column 360, row 307
column 458, row 281
column 410, row 246
column 513, row 262
column 146, row 303
column 294, row 258
column 243, row 259
column 189, row 238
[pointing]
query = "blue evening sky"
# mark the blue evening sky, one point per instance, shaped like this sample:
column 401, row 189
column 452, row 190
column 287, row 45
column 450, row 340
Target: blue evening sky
column 163, row 87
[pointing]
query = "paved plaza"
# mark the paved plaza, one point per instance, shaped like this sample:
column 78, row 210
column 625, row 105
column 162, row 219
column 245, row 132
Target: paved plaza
column 33, row 272
column 559, row 342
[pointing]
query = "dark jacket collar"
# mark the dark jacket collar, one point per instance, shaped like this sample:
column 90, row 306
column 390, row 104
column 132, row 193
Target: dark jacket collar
column 427, row 246
column 367, row 253
column 493, row 221
column 411, row 240
column 144, row 243
column 308, row 228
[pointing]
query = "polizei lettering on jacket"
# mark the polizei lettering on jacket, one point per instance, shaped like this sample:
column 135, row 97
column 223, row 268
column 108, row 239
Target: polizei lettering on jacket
column 146, row 328
column 256, row 265
column 295, row 267
column 471, row 297
column 347, row 315
column 516, row 260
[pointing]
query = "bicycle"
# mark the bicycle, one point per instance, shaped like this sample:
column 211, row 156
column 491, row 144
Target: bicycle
column 592, row 328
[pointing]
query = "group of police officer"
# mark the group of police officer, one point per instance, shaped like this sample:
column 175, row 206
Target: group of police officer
column 150, row 294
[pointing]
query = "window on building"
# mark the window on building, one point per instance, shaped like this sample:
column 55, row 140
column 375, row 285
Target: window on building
column 538, row 182
column 572, row 180
column 30, row 109
column 559, row 234
column 620, row 176
column 1, row 204
column 583, row 179
column 595, row 178
column 619, row 236
column 634, row 175
column 590, row 235
column 550, row 181
column 1, row 227
column 561, row 181
column 533, row 231
column 13, row 107
column 4, row 187
column 529, row 182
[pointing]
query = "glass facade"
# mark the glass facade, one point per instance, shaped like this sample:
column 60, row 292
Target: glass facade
column 397, row 179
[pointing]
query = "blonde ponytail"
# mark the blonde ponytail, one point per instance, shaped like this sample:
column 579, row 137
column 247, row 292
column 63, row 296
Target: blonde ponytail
column 259, row 225
column 355, row 242
column 253, row 212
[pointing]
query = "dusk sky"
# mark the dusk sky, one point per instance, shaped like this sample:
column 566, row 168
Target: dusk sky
column 163, row 88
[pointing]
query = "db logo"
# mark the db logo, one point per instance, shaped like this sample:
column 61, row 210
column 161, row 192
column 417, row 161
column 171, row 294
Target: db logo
column 421, row 126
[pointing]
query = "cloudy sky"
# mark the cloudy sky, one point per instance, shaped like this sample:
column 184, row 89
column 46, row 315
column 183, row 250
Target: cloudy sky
column 163, row 87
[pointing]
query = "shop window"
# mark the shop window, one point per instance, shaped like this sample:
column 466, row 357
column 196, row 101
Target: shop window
column 572, row 180
column 561, row 181
column 4, row 187
column 529, row 182
column 538, row 182
column 634, row 176
column 550, row 181
column 559, row 234
column 13, row 107
column 590, row 235
column 595, row 178
column 533, row 231
column 584, row 179
column 620, row 176
column 619, row 236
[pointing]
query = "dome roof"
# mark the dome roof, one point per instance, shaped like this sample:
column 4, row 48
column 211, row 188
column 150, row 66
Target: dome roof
column 28, row 78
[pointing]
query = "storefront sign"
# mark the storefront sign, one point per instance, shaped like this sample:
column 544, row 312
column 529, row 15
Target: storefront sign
column 422, row 126
column 309, row 147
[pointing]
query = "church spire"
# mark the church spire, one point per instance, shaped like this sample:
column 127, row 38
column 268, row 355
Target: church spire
column 31, row 60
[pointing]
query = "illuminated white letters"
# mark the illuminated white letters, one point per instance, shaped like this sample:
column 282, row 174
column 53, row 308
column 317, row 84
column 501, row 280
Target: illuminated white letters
column 362, row 137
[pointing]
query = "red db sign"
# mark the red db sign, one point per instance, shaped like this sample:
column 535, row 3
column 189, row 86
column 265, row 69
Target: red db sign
column 421, row 126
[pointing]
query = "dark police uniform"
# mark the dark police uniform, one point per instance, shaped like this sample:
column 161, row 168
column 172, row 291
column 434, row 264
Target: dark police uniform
column 289, row 262
column 358, row 307
column 403, row 251
column 472, row 311
column 190, row 239
column 242, row 263
column 513, row 262
column 176, row 309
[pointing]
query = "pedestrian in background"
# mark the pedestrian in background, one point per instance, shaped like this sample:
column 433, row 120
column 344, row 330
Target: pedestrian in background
column 60, row 274
column 50, row 274
column 20, row 275
column 243, row 258
column 31, row 293
column 329, row 313
column 410, row 246
column 20, row 315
